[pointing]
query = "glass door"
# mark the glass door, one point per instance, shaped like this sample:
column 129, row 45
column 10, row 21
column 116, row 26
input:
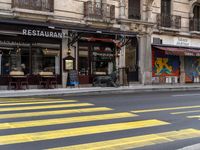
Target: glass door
column 83, row 64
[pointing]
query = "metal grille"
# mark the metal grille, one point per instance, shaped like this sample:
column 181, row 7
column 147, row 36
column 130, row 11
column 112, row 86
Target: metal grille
column 41, row 5
column 169, row 21
column 95, row 10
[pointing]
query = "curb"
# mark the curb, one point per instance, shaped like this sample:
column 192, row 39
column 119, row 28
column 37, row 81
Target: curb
column 92, row 91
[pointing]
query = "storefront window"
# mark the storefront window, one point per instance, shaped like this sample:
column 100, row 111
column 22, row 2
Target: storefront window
column 83, row 61
column 29, row 60
column 103, row 58
column 44, row 59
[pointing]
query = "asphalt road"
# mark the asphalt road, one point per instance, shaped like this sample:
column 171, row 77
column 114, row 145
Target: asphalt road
column 143, row 121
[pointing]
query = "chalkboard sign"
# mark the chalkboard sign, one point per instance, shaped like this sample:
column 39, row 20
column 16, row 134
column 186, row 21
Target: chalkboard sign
column 73, row 78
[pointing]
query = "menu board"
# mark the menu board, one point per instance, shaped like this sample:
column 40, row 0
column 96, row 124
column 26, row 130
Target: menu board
column 73, row 78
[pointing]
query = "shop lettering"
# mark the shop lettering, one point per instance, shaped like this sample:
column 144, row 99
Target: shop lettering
column 40, row 33
column 183, row 42
column 12, row 43
column 103, row 54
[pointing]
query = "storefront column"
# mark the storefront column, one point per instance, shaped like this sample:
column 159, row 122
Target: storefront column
column 182, row 70
column 64, row 54
column 122, row 77
column 145, row 59
column 122, row 7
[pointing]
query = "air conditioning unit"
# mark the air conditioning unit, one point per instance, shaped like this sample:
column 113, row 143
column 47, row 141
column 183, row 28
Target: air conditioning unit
column 157, row 41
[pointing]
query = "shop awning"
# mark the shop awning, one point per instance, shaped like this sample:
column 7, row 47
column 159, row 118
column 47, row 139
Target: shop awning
column 179, row 51
column 71, row 27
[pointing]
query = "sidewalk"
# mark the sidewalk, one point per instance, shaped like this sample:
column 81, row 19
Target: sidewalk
column 97, row 90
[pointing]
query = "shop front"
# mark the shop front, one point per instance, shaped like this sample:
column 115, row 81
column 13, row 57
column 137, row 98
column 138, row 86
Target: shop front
column 172, row 64
column 96, row 57
column 29, row 51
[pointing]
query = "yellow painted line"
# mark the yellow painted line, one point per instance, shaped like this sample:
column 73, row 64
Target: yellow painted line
column 55, row 134
column 18, row 100
column 164, row 109
column 25, row 124
column 54, row 112
column 37, row 102
column 195, row 116
column 45, row 107
column 135, row 142
column 184, row 112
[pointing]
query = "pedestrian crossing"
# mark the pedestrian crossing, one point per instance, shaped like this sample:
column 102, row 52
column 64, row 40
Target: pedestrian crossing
column 18, row 117
column 135, row 142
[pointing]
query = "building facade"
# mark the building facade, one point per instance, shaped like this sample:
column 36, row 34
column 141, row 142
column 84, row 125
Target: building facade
column 101, row 36
column 175, row 41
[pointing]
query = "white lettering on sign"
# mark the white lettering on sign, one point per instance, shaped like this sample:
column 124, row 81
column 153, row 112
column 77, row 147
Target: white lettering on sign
column 182, row 41
column 40, row 33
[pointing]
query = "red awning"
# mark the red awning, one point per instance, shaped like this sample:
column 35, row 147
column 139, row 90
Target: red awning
column 179, row 51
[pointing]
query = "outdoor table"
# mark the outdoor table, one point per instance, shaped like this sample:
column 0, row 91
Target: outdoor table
column 18, row 79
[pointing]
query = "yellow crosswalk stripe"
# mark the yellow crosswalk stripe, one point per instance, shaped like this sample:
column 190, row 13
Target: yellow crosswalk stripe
column 45, row 107
column 18, row 100
column 195, row 116
column 55, row 112
column 55, row 134
column 37, row 102
column 164, row 109
column 25, row 124
column 135, row 142
column 184, row 112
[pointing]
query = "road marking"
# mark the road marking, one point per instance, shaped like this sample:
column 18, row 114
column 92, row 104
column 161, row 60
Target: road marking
column 45, row 107
column 197, row 116
column 28, row 99
column 184, row 112
column 55, row 134
column 135, row 142
column 67, row 120
column 182, row 95
column 165, row 109
column 37, row 102
column 55, row 112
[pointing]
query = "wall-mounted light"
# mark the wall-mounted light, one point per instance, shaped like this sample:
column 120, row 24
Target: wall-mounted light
column 69, row 51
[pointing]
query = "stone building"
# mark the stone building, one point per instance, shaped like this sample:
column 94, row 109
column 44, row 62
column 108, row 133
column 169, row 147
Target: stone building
column 157, row 40
column 175, row 41
column 100, row 35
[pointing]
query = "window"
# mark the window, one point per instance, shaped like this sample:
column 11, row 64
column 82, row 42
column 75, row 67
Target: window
column 30, row 60
column 166, row 13
column 196, row 19
column 166, row 7
column 134, row 9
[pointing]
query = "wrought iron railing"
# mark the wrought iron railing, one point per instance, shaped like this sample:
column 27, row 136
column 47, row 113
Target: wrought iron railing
column 169, row 21
column 194, row 24
column 94, row 10
column 40, row 5
column 137, row 17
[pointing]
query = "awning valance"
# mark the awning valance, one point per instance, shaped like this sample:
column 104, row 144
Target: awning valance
column 179, row 51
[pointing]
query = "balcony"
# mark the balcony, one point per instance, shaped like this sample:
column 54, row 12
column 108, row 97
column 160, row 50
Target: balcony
column 99, row 11
column 38, row 5
column 169, row 21
column 195, row 24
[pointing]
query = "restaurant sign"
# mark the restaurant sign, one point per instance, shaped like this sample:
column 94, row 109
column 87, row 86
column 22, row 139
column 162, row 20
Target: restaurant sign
column 42, row 33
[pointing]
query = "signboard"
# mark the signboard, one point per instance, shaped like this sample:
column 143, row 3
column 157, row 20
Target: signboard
column 69, row 64
column 43, row 33
column 73, row 78
column 181, row 41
